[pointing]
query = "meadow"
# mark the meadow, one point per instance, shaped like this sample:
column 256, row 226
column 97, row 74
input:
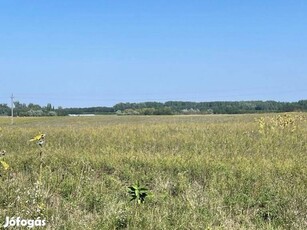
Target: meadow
column 202, row 172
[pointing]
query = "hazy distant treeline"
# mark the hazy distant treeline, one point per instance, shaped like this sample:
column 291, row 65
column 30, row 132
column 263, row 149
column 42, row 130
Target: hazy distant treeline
column 159, row 108
column 216, row 107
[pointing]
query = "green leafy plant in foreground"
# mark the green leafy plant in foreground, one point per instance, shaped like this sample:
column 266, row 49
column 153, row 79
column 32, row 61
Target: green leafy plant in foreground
column 138, row 193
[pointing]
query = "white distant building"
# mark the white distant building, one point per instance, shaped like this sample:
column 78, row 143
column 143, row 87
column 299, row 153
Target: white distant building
column 81, row 115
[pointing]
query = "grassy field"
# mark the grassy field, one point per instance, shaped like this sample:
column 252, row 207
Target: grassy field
column 202, row 172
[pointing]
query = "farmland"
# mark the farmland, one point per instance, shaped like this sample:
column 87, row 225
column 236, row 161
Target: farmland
column 202, row 172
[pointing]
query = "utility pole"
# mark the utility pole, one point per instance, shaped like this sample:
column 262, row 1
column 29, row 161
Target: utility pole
column 12, row 109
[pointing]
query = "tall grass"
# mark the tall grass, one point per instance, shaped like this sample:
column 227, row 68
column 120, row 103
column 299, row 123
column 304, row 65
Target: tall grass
column 215, row 172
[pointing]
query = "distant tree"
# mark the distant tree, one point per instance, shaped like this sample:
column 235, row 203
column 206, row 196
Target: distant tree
column 131, row 112
column 35, row 113
column 302, row 105
column 163, row 111
column 49, row 107
column 4, row 109
column 119, row 112
column 34, row 106
column 51, row 113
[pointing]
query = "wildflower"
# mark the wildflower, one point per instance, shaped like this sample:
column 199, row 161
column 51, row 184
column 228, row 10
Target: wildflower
column 40, row 138
column 5, row 165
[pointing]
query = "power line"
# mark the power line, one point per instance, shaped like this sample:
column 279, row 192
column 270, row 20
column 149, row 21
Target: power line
column 12, row 109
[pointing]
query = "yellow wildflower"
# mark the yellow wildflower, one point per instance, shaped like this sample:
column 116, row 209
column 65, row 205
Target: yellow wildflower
column 38, row 137
column 5, row 165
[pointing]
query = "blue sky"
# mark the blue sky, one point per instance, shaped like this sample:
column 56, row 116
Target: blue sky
column 97, row 53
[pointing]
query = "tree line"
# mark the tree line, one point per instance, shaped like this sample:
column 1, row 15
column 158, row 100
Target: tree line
column 22, row 109
column 159, row 108
column 215, row 107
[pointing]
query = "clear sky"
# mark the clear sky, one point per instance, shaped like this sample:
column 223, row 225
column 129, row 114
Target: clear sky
column 77, row 53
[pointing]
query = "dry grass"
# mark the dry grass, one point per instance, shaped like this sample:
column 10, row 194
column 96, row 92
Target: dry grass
column 215, row 172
